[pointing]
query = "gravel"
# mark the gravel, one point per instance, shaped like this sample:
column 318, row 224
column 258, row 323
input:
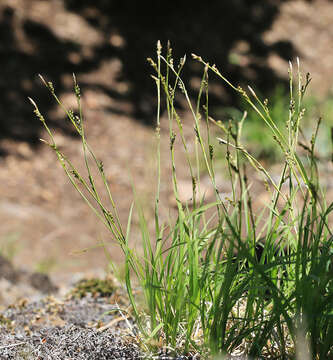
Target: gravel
column 87, row 328
column 68, row 342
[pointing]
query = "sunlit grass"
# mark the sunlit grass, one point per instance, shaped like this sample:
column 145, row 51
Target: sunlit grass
column 220, row 278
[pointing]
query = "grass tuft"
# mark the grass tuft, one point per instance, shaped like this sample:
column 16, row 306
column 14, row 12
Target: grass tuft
column 223, row 278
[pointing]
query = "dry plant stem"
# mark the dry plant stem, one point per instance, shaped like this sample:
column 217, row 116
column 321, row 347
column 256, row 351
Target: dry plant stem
column 12, row 345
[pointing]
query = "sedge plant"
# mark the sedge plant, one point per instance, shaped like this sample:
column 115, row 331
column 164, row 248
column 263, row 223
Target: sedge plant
column 222, row 277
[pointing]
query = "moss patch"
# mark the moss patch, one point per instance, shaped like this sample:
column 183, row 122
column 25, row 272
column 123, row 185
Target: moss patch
column 96, row 287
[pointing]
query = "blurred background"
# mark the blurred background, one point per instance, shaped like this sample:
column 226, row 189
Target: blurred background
column 44, row 224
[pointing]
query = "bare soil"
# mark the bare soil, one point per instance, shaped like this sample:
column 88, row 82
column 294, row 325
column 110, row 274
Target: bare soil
column 45, row 225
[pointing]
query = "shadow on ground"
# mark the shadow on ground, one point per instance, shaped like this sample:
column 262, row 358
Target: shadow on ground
column 227, row 33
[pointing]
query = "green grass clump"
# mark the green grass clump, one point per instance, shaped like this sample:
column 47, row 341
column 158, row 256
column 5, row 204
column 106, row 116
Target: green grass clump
column 206, row 285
